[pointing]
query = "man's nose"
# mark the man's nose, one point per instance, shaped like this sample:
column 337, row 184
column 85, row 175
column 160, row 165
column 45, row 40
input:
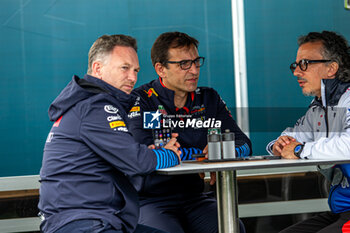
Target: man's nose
column 132, row 76
column 194, row 69
column 297, row 72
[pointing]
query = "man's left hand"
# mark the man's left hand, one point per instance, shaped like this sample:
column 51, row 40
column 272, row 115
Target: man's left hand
column 205, row 151
column 288, row 150
column 212, row 178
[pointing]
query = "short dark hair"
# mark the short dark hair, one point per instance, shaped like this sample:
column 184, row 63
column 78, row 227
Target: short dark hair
column 335, row 48
column 105, row 44
column 169, row 40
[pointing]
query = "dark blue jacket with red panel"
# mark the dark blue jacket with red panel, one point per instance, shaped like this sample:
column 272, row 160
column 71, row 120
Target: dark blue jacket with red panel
column 88, row 156
column 202, row 104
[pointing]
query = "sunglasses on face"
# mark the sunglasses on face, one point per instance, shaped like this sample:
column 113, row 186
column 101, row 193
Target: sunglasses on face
column 303, row 64
column 186, row 64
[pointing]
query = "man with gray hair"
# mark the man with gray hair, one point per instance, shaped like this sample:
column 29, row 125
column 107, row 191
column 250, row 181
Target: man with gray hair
column 322, row 69
column 90, row 153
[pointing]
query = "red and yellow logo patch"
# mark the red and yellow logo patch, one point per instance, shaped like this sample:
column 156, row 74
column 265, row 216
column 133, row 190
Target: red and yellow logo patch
column 150, row 92
column 115, row 124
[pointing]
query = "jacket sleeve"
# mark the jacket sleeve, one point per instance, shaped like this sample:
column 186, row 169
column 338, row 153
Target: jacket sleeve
column 186, row 153
column 111, row 140
column 337, row 145
column 302, row 131
column 242, row 142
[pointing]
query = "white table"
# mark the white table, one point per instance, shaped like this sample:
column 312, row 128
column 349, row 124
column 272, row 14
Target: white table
column 226, row 182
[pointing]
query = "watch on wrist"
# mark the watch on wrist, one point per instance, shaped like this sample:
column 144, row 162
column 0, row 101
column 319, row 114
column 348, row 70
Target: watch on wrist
column 298, row 149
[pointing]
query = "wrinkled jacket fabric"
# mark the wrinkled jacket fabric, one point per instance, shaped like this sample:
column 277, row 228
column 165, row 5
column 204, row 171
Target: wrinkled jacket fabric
column 88, row 155
column 325, row 132
column 203, row 104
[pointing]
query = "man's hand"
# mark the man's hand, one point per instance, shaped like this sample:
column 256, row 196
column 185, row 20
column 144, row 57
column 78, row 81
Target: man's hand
column 288, row 150
column 281, row 143
column 212, row 177
column 205, row 151
column 174, row 145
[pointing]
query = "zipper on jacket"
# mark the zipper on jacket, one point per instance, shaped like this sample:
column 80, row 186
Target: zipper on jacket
column 326, row 119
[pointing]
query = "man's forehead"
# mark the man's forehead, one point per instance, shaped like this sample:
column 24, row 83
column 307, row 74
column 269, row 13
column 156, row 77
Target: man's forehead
column 185, row 52
column 125, row 54
column 310, row 50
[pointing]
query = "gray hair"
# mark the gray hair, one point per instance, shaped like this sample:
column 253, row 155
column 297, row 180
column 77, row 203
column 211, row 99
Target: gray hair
column 335, row 48
column 105, row 44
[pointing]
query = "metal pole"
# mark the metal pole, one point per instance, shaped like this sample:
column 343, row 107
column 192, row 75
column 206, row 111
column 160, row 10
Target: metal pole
column 239, row 51
column 226, row 186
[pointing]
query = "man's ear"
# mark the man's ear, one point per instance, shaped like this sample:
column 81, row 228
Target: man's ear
column 97, row 69
column 160, row 69
column 332, row 69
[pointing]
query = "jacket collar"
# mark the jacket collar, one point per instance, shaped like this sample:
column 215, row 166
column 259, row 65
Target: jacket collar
column 163, row 91
column 168, row 96
column 331, row 91
column 125, row 100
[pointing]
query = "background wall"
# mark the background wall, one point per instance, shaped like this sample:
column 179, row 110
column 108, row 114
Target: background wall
column 44, row 42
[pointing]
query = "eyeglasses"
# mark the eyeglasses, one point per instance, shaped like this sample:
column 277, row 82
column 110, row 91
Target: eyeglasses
column 186, row 64
column 303, row 63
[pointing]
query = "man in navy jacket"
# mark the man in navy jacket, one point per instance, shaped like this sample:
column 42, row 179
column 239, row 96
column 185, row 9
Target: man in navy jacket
column 89, row 152
column 177, row 204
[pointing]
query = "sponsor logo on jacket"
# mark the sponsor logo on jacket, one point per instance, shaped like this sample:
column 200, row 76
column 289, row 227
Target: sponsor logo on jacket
column 114, row 118
column 115, row 124
column 135, row 109
column 123, row 129
column 150, row 92
column 110, row 109
column 198, row 110
column 49, row 137
column 57, row 123
column 134, row 112
column 345, row 183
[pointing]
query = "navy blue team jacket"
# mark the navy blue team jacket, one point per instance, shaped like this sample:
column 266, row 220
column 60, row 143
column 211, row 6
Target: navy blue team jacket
column 88, row 155
column 203, row 103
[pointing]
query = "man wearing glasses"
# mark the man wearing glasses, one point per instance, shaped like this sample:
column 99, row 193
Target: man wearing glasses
column 322, row 69
column 177, row 204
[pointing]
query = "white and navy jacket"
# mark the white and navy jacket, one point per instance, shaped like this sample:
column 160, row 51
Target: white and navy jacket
column 325, row 132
